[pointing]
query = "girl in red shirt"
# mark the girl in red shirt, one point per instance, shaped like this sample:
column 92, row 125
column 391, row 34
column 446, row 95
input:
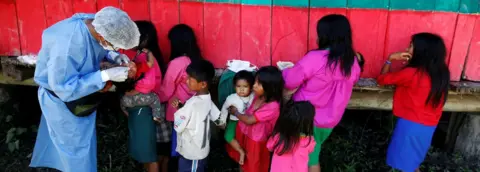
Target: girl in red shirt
column 420, row 94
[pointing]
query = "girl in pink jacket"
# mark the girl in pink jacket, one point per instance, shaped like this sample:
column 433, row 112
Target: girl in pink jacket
column 184, row 50
column 326, row 77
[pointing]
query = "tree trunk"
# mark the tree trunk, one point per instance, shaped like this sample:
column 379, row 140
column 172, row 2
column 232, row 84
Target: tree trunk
column 468, row 140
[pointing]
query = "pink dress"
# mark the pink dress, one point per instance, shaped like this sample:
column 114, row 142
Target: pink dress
column 253, row 138
column 295, row 160
column 174, row 85
column 329, row 91
column 151, row 79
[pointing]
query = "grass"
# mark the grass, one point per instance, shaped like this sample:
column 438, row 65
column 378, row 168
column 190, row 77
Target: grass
column 358, row 143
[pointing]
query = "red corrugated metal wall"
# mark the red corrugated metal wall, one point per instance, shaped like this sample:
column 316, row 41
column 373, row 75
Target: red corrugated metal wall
column 262, row 34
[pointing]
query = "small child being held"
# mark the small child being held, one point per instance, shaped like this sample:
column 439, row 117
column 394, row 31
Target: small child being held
column 292, row 138
column 243, row 82
column 192, row 120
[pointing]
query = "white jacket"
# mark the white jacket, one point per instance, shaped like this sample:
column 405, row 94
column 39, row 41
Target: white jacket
column 192, row 124
column 241, row 103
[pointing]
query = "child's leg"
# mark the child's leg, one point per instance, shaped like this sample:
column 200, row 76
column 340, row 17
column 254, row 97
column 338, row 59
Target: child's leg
column 151, row 167
column 230, row 138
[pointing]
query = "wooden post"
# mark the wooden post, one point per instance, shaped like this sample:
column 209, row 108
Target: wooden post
column 468, row 140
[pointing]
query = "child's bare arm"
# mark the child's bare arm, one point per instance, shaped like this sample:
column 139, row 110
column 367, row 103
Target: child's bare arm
column 150, row 57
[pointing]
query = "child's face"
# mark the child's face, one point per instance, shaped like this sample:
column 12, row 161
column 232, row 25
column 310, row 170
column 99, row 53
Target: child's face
column 132, row 70
column 194, row 85
column 242, row 88
column 410, row 48
column 257, row 88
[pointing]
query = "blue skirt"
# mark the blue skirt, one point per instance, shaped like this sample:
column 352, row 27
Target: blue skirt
column 409, row 145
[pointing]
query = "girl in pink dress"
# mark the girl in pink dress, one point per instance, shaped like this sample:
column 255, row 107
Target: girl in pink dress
column 292, row 138
column 184, row 50
column 256, row 124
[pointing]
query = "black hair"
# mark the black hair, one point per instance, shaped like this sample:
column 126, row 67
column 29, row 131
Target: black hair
column 202, row 71
column 245, row 75
column 272, row 82
column 335, row 34
column 429, row 54
column 149, row 40
column 296, row 119
column 183, row 43
column 127, row 85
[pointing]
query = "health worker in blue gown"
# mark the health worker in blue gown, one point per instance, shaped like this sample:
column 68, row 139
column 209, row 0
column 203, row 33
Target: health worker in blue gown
column 68, row 72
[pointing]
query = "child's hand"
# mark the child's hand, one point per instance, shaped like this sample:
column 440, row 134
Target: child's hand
column 158, row 120
column 400, row 56
column 145, row 50
column 233, row 110
column 176, row 103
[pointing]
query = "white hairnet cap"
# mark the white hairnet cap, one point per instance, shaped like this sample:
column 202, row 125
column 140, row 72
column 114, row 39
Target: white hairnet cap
column 116, row 27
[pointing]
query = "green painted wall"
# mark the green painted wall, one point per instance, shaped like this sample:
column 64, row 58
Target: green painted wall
column 462, row 6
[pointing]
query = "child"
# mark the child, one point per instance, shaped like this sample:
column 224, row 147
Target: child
column 257, row 123
column 192, row 120
column 143, row 92
column 420, row 94
column 326, row 77
column 292, row 139
column 184, row 50
column 243, row 82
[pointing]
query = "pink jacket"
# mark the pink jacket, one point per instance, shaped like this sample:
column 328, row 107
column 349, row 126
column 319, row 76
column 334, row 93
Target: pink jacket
column 174, row 84
column 151, row 80
column 329, row 91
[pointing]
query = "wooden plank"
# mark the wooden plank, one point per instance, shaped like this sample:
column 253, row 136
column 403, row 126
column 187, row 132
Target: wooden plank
column 84, row 6
column 191, row 14
column 408, row 23
column 472, row 66
column 9, row 33
column 105, row 3
column 461, row 42
column 256, row 34
column 315, row 15
column 369, row 27
column 57, row 10
column 222, row 32
column 289, row 30
column 383, row 101
column 136, row 9
column 164, row 15
column 31, row 20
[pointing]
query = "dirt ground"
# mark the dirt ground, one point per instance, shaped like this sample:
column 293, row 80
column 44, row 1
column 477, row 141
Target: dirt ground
column 358, row 143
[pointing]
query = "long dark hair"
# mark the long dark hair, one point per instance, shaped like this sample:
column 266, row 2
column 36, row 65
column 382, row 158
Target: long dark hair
column 296, row 119
column 272, row 82
column 149, row 40
column 334, row 33
column 429, row 54
column 183, row 43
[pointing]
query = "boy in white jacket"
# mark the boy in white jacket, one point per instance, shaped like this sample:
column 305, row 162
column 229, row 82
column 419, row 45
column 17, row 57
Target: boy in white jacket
column 192, row 120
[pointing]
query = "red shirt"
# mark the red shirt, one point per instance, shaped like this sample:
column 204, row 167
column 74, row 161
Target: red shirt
column 142, row 67
column 412, row 89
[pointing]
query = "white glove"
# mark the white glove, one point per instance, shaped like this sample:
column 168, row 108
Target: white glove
column 121, row 59
column 116, row 74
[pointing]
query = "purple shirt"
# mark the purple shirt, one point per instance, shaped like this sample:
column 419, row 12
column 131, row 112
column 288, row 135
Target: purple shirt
column 328, row 90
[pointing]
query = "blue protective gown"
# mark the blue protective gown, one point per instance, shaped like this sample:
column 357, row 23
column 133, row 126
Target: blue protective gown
column 69, row 65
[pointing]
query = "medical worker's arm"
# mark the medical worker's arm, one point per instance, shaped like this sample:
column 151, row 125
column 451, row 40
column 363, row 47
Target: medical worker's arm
column 63, row 77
